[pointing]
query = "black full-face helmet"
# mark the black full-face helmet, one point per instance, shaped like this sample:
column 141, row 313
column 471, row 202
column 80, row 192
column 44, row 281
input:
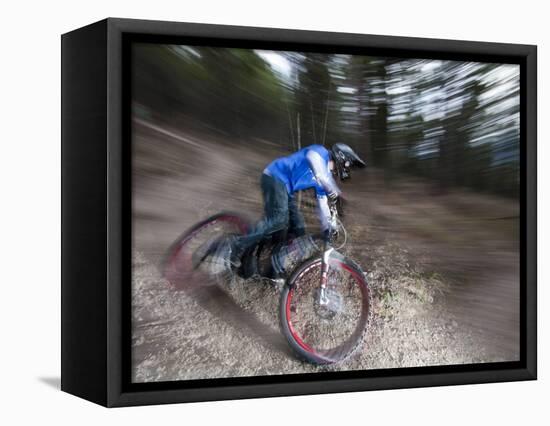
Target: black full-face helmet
column 344, row 159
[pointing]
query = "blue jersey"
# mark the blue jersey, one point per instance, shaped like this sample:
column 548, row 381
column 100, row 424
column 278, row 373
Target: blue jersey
column 297, row 172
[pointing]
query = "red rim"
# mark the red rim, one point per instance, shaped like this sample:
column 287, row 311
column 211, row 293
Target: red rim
column 295, row 335
column 297, row 338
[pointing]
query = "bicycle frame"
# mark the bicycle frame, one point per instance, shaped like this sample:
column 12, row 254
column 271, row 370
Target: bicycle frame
column 327, row 251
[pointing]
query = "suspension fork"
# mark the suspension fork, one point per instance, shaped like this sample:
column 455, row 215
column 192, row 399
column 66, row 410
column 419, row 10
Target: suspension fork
column 323, row 297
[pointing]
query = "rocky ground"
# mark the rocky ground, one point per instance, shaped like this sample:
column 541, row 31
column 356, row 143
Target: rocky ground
column 444, row 269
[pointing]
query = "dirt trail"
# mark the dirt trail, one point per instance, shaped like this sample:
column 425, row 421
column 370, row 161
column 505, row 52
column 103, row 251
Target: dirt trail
column 444, row 270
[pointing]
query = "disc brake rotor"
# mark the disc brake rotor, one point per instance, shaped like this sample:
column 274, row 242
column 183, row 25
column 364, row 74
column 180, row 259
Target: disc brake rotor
column 332, row 305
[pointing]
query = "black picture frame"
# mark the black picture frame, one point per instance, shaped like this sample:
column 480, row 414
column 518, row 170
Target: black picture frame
column 96, row 204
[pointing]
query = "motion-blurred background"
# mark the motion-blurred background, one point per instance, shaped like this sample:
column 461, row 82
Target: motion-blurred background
column 434, row 219
column 456, row 123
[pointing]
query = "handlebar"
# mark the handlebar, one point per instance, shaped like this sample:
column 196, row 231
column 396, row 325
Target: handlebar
column 336, row 225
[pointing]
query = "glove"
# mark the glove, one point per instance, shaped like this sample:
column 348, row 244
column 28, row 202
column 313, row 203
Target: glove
column 340, row 203
column 333, row 196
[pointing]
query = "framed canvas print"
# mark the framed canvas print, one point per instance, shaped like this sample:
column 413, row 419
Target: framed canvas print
column 252, row 212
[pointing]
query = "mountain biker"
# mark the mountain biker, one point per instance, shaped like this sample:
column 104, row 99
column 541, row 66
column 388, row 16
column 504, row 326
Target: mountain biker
column 310, row 167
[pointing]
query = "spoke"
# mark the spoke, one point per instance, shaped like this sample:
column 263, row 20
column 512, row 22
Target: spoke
column 330, row 329
column 181, row 268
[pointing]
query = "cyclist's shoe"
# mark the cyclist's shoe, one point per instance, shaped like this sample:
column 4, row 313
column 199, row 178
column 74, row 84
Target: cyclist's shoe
column 275, row 279
column 223, row 256
column 277, row 282
column 205, row 251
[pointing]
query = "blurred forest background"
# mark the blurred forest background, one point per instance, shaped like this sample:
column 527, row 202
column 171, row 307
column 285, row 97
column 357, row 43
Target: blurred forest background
column 455, row 123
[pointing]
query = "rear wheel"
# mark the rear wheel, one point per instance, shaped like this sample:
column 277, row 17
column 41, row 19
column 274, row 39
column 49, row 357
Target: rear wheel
column 184, row 261
column 330, row 332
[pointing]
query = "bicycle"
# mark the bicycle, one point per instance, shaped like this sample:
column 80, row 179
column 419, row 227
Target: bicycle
column 325, row 302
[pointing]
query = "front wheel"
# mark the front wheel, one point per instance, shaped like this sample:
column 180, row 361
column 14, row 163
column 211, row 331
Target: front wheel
column 328, row 332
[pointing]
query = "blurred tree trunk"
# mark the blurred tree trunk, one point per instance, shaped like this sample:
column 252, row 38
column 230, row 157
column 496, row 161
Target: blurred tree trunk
column 312, row 97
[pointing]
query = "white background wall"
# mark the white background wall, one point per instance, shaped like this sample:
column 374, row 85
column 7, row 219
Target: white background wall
column 30, row 210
